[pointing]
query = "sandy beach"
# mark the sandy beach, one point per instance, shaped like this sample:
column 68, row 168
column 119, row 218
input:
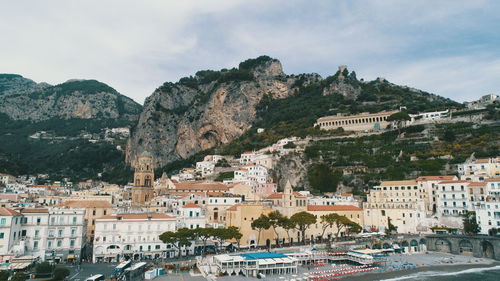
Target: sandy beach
column 435, row 262
column 376, row 276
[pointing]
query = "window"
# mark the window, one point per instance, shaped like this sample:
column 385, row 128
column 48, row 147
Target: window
column 72, row 244
column 51, row 233
column 73, row 231
column 49, row 244
column 74, row 220
column 37, row 232
column 1, row 235
column 59, row 243
column 93, row 212
column 38, row 221
column 383, row 213
column 52, row 220
column 35, row 245
column 3, row 221
column 60, row 232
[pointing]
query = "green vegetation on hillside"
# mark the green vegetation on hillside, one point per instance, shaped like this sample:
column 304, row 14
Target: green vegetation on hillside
column 296, row 115
column 387, row 158
column 72, row 157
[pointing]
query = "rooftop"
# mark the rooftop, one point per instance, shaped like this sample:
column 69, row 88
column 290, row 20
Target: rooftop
column 87, row 204
column 333, row 208
column 263, row 255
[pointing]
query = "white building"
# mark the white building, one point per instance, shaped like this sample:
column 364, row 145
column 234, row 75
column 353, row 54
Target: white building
column 55, row 234
column 191, row 216
column 488, row 212
column 205, row 168
column 479, row 169
column 132, row 236
column 252, row 175
column 452, row 202
column 425, row 117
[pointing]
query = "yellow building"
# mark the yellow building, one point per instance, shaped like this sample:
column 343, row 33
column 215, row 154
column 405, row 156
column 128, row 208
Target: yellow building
column 242, row 215
column 359, row 122
column 353, row 213
column 93, row 209
column 401, row 201
column 143, row 191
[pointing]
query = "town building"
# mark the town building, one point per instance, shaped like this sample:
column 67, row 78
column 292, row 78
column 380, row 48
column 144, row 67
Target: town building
column 488, row 210
column 360, row 122
column 479, row 169
column 353, row 213
column 142, row 191
column 132, row 236
column 53, row 234
column 93, row 209
column 398, row 201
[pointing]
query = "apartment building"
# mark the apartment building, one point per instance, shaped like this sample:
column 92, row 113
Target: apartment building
column 132, row 236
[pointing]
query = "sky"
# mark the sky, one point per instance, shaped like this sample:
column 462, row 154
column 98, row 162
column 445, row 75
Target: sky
column 450, row 48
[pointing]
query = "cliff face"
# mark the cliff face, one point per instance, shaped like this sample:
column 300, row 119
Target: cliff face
column 23, row 99
column 207, row 110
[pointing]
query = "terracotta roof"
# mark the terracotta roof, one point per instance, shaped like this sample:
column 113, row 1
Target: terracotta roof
column 9, row 196
column 482, row 161
column 279, row 195
column 453, row 181
column 137, row 216
column 191, row 205
column 275, row 196
column 87, row 204
column 396, row 183
column 478, row 184
column 197, row 185
column 435, row 178
column 346, row 194
column 233, row 208
column 34, row 210
column 9, row 212
column 493, row 179
column 333, row 208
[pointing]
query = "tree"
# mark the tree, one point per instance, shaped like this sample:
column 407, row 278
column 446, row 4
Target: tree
column 275, row 220
column 261, row 223
column 44, row 267
column 398, row 118
column 235, row 234
column 204, row 234
column 327, row 221
column 390, row 227
column 322, row 177
column 222, row 234
column 449, row 136
column 353, row 227
column 4, row 275
column 179, row 239
column 60, row 273
column 340, row 222
column 302, row 222
column 471, row 227
column 20, row 276
column 287, row 224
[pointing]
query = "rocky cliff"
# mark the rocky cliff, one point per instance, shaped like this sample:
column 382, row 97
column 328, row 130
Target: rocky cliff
column 23, row 99
column 209, row 109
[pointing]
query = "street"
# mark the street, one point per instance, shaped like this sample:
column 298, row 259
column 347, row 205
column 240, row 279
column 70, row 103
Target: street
column 88, row 269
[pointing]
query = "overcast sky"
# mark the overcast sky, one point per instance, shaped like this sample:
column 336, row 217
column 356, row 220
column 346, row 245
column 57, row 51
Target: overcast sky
column 451, row 48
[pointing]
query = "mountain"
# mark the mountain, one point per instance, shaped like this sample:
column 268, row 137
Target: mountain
column 222, row 110
column 23, row 99
column 63, row 130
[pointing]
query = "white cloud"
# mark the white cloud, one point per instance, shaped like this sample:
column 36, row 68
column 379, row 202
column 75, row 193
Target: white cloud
column 136, row 46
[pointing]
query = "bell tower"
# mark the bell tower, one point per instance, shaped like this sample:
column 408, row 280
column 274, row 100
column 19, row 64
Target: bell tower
column 144, row 177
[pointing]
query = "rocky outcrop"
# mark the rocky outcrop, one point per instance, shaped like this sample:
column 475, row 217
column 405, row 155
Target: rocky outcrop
column 209, row 109
column 23, row 99
column 291, row 167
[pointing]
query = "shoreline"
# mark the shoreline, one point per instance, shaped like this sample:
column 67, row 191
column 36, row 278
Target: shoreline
column 377, row 276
